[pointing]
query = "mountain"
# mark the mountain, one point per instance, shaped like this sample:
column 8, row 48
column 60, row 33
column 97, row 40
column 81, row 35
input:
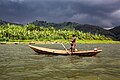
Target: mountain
column 81, row 27
column 95, row 30
column 6, row 22
column 113, row 33
column 116, row 31
column 55, row 25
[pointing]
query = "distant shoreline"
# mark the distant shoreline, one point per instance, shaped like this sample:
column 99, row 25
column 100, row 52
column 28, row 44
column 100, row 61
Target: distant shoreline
column 65, row 41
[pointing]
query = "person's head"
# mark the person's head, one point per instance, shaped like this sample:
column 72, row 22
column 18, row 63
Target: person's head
column 73, row 35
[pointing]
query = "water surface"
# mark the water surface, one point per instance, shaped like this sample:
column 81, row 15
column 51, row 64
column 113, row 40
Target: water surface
column 19, row 62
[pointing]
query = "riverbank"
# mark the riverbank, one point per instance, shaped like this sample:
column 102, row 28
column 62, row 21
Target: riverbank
column 63, row 41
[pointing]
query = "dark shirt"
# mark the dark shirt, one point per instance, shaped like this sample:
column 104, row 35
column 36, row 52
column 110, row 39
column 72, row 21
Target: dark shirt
column 73, row 44
column 73, row 40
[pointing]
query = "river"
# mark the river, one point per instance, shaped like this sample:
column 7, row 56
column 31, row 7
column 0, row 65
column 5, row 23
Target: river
column 19, row 62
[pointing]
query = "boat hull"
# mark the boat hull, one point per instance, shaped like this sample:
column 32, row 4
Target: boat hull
column 41, row 50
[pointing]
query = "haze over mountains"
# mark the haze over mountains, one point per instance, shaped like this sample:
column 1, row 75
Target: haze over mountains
column 6, row 22
column 113, row 33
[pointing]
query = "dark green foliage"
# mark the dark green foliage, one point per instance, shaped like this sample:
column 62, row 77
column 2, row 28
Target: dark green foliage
column 75, row 26
column 116, row 31
column 68, row 26
column 32, row 32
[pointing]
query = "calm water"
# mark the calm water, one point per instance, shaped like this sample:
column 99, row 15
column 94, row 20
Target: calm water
column 19, row 62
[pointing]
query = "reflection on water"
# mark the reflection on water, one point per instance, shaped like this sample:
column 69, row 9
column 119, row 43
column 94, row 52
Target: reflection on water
column 19, row 62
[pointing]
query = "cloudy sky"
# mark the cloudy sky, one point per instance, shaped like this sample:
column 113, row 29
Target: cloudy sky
column 99, row 12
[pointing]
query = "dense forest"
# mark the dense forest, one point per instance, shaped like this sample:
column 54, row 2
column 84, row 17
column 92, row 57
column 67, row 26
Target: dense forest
column 40, row 33
column 45, row 31
column 114, row 33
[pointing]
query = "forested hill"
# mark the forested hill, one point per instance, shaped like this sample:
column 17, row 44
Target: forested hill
column 112, row 33
column 81, row 27
column 116, row 31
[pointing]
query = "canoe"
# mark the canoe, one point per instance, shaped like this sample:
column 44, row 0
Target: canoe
column 41, row 50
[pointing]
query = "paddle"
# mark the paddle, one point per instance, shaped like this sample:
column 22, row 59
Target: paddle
column 65, row 49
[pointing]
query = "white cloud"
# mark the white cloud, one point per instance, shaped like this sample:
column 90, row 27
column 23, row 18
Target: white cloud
column 101, row 1
column 90, row 1
column 79, row 17
column 17, row 0
column 82, row 1
column 116, row 14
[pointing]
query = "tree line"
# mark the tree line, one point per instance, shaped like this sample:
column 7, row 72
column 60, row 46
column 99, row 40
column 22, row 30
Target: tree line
column 40, row 33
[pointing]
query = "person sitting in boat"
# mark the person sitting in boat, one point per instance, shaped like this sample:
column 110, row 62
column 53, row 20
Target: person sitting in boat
column 73, row 43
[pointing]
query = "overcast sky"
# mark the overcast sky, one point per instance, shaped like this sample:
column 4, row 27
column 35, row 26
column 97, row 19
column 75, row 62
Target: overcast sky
column 99, row 12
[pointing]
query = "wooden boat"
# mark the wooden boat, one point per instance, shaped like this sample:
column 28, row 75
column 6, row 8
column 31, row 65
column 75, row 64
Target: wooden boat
column 41, row 50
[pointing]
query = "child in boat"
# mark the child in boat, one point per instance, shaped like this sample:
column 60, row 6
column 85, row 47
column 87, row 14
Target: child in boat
column 73, row 43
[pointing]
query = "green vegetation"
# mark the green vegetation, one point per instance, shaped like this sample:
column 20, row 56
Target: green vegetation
column 11, row 33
